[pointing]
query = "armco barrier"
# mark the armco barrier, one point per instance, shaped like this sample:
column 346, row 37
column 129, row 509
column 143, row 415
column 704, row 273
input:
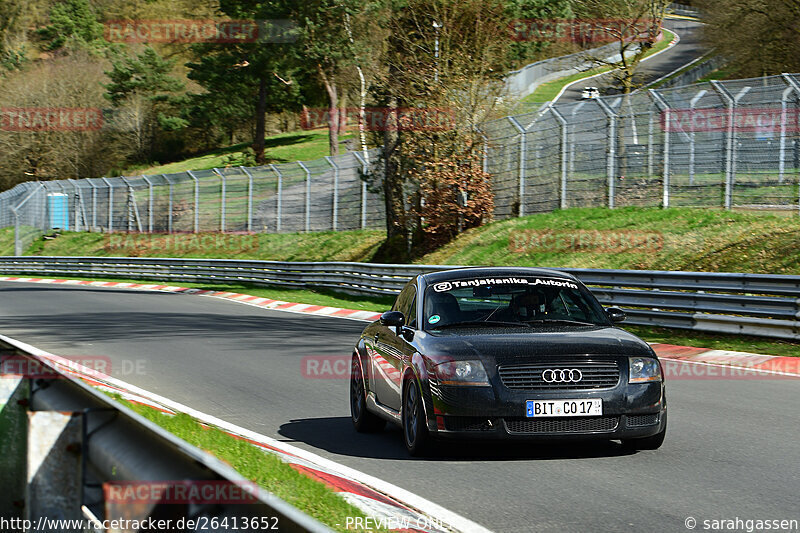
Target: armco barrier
column 756, row 304
column 77, row 442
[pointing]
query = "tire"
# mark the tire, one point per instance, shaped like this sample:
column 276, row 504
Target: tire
column 415, row 426
column 363, row 420
column 653, row 442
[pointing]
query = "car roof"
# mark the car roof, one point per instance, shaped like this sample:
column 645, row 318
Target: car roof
column 480, row 272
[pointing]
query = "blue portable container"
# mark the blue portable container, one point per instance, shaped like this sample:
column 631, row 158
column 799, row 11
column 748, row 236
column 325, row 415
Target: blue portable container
column 58, row 210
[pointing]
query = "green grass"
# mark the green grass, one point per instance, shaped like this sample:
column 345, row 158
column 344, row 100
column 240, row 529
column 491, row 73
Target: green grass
column 319, row 246
column 688, row 239
column 281, row 148
column 7, row 241
column 726, row 72
column 547, row 91
column 266, row 469
column 682, row 71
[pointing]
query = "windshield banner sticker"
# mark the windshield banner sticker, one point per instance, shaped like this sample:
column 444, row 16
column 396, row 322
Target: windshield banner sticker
column 445, row 286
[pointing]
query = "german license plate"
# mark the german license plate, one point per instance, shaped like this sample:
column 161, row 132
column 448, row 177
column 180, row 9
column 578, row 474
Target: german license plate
column 546, row 408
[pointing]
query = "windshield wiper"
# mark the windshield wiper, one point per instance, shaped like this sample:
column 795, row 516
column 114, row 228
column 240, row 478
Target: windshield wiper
column 561, row 321
column 482, row 323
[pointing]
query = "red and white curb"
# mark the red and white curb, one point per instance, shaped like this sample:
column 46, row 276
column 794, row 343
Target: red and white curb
column 257, row 301
column 389, row 507
column 743, row 361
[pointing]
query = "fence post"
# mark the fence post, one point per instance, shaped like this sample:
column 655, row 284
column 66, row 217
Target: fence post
column 94, row 204
column 662, row 103
column 650, row 142
column 279, row 198
column 76, row 205
column 249, row 198
column 335, row 191
column 308, row 196
column 793, row 86
column 692, row 104
column 133, row 209
column 523, row 149
column 612, row 149
column 110, row 205
column 222, row 201
column 149, row 203
column 364, row 171
column 564, row 142
column 730, row 155
column 15, row 210
column 169, row 203
column 196, row 201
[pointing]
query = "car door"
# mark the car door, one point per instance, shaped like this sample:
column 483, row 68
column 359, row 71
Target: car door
column 391, row 351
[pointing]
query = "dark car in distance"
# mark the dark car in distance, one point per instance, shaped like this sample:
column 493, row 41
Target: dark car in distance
column 505, row 353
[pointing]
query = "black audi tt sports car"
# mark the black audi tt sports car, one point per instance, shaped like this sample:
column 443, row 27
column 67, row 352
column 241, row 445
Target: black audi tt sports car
column 505, row 353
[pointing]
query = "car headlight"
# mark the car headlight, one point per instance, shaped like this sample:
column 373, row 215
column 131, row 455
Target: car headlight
column 462, row 373
column 643, row 369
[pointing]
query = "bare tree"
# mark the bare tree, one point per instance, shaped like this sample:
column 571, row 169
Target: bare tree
column 634, row 25
column 56, row 152
column 444, row 64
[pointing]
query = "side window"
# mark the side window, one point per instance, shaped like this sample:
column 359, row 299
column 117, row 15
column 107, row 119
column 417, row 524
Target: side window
column 411, row 316
column 405, row 302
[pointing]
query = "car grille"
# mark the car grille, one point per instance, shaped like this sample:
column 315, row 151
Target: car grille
column 642, row 420
column 594, row 375
column 562, row 425
column 466, row 423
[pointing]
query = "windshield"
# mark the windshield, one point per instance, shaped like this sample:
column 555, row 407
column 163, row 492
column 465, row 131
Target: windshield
column 510, row 302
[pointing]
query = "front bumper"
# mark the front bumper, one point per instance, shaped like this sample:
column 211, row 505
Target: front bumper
column 629, row 411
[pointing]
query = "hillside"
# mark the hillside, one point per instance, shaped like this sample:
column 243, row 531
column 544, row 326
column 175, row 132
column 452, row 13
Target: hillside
column 634, row 238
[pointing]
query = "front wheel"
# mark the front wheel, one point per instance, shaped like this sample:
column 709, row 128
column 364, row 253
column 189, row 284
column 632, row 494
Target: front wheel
column 653, row 442
column 363, row 420
column 415, row 427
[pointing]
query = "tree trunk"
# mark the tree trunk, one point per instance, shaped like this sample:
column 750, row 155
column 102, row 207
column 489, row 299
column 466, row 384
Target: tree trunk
column 261, row 112
column 392, row 182
column 333, row 111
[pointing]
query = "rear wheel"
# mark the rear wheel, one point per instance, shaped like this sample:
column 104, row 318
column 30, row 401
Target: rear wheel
column 653, row 442
column 415, row 427
column 363, row 420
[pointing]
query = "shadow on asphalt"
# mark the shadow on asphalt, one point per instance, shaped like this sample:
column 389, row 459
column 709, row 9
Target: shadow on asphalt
column 336, row 435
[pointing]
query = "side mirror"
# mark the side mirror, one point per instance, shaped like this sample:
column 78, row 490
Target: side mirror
column 393, row 318
column 616, row 315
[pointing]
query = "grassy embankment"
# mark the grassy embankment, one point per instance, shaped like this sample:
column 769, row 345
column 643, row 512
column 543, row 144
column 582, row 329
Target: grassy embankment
column 265, row 469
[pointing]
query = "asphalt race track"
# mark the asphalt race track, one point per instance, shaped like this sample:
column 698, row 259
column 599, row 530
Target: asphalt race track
column 731, row 448
column 688, row 49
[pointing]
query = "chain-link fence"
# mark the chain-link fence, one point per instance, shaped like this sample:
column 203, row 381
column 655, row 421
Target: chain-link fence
column 718, row 144
column 321, row 195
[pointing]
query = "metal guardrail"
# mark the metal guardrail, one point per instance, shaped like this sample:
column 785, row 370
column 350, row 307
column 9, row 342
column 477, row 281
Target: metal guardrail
column 87, row 439
column 753, row 304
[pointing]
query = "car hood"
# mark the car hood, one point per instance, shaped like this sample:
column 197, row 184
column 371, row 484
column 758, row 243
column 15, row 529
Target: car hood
column 508, row 346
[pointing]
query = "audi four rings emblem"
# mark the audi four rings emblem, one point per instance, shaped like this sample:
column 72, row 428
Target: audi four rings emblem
column 562, row 375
